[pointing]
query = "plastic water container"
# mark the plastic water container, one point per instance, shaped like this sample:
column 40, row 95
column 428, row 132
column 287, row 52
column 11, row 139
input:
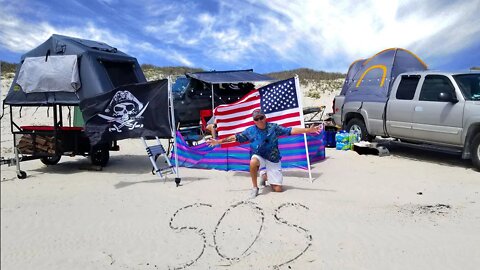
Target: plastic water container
column 353, row 137
column 342, row 139
column 343, row 146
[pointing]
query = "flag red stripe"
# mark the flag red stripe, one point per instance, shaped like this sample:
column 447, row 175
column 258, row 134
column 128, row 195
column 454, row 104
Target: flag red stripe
column 246, row 124
column 237, row 110
column 285, row 116
column 238, row 118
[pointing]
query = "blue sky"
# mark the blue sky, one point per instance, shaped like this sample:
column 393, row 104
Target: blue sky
column 270, row 35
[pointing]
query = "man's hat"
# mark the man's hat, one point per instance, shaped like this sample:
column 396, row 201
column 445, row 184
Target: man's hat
column 257, row 112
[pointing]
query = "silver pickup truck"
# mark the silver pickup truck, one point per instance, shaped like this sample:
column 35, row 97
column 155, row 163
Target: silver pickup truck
column 440, row 109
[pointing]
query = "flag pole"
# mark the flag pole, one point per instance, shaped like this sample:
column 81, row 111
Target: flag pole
column 300, row 105
column 1, row 90
column 213, row 100
column 173, row 128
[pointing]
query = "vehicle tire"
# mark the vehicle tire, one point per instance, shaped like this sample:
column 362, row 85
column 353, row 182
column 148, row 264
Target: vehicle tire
column 475, row 152
column 357, row 125
column 51, row 160
column 21, row 175
column 100, row 157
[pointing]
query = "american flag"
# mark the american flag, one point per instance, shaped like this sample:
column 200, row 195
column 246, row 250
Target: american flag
column 279, row 101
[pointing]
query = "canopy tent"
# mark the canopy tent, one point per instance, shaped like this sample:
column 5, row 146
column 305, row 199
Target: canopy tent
column 371, row 79
column 95, row 68
column 228, row 77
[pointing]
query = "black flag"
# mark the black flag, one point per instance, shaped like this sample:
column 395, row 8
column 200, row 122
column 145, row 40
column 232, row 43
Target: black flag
column 128, row 111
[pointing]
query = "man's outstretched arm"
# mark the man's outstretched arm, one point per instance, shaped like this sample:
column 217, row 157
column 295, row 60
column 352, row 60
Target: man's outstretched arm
column 312, row 129
column 231, row 138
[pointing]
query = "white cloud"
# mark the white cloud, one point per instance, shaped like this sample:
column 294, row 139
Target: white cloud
column 358, row 30
column 145, row 50
column 321, row 34
column 20, row 36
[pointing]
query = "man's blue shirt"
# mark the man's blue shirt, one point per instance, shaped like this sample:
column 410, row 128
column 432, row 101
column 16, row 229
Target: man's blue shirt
column 264, row 142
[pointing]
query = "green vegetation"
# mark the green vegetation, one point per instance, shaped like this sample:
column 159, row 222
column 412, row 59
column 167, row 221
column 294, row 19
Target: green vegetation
column 154, row 73
column 305, row 75
column 8, row 67
column 318, row 82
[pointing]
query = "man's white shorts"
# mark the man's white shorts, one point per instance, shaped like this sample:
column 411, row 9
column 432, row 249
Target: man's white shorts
column 273, row 170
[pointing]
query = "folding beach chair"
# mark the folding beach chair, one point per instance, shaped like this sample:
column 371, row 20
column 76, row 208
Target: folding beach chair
column 156, row 151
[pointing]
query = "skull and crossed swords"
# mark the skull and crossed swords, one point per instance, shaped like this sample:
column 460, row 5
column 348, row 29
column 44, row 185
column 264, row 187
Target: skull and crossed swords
column 126, row 109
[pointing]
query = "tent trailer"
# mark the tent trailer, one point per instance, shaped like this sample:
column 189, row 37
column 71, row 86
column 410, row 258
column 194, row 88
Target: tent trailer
column 61, row 72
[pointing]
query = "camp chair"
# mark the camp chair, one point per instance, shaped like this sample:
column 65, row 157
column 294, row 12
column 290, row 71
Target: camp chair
column 191, row 134
column 154, row 152
column 313, row 115
column 204, row 114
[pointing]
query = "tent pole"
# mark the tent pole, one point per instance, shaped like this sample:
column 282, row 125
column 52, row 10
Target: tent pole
column 1, row 91
column 173, row 129
column 213, row 100
column 300, row 100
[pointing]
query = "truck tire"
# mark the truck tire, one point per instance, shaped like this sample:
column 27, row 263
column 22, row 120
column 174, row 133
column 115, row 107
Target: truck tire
column 357, row 125
column 53, row 160
column 476, row 152
column 100, row 157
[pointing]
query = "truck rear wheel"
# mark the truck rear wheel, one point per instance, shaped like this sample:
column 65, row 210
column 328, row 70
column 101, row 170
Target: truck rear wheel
column 358, row 126
column 476, row 152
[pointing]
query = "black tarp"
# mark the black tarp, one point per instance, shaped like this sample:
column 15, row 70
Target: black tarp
column 129, row 111
column 229, row 76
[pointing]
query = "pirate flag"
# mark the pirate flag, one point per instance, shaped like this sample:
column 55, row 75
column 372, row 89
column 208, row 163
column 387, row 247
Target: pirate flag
column 128, row 111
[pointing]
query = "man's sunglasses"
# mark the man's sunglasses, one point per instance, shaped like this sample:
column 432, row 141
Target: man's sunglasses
column 259, row 118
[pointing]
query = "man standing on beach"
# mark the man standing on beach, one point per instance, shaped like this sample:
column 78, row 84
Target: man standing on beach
column 263, row 138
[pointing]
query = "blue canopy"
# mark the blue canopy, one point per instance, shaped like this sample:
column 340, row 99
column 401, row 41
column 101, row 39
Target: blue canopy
column 229, row 76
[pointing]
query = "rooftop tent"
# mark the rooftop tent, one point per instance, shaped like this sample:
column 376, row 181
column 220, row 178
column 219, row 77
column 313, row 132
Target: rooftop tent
column 93, row 67
column 371, row 79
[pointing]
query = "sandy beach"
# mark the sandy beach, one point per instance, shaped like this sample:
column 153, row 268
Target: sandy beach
column 409, row 210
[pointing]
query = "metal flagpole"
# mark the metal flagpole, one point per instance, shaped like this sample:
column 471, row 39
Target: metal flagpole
column 173, row 128
column 1, row 90
column 300, row 100
column 213, row 100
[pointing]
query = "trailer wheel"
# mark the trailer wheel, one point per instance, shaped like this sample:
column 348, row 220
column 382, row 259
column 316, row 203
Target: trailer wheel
column 51, row 160
column 358, row 126
column 21, row 175
column 476, row 152
column 100, row 157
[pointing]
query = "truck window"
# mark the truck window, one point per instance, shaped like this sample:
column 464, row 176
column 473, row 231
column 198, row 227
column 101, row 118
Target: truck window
column 469, row 85
column 434, row 85
column 406, row 88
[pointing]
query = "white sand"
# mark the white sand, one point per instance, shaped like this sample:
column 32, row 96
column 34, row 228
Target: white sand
column 361, row 212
